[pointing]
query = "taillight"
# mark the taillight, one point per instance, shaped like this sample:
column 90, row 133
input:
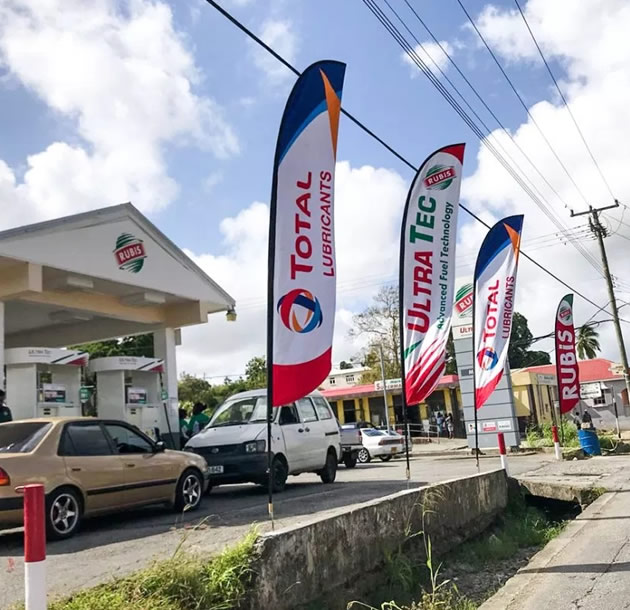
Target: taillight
column 381, row 442
column 4, row 478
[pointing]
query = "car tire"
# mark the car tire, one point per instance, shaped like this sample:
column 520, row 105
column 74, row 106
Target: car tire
column 280, row 474
column 189, row 491
column 63, row 513
column 350, row 460
column 328, row 473
column 364, row 456
column 384, row 458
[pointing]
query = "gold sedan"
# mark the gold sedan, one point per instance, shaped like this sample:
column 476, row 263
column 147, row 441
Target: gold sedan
column 91, row 467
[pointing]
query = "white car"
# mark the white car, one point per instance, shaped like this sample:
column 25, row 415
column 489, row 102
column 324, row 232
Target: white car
column 381, row 444
column 305, row 438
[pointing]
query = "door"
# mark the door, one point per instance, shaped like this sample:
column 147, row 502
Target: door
column 314, row 442
column 330, row 428
column 92, row 465
column 150, row 476
column 293, row 434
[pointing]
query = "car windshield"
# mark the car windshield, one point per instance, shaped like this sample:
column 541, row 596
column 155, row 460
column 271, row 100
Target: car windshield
column 22, row 437
column 372, row 432
column 241, row 411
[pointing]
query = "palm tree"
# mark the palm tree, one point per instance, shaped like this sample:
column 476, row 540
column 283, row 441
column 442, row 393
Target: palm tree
column 587, row 343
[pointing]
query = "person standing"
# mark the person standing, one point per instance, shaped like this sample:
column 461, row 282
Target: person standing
column 5, row 412
column 199, row 419
column 576, row 419
column 439, row 420
column 449, row 425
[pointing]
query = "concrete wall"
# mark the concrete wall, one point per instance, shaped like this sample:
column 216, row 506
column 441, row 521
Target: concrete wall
column 306, row 563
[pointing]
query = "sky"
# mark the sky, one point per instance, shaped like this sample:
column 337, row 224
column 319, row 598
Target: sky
column 169, row 106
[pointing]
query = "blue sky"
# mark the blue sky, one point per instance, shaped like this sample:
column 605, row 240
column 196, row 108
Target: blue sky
column 192, row 145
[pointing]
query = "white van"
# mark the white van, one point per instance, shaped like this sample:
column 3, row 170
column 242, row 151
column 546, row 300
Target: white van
column 305, row 438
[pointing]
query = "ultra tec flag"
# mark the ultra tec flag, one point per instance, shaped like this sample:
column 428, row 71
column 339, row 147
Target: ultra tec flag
column 302, row 271
column 427, row 270
column 566, row 361
column 493, row 306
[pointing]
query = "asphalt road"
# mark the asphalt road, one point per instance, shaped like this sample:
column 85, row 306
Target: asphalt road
column 120, row 544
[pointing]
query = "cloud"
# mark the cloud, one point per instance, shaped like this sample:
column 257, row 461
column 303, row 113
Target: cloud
column 124, row 80
column 368, row 207
column 432, row 55
column 279, row 35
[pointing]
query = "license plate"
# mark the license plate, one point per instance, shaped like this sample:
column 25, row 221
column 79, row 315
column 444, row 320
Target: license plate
column 394, row 450
column 215, row 469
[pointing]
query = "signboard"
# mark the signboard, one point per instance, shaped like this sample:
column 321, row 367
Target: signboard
column 390, row 384
column 489, row 426
column 45, row 355
column 591, row 390
column 546, row 379
column 54, row 392
column 566, row 359
column 164, row 395
column 505, row 425
column 136, row 396
column 84, row 394
column 461, row 332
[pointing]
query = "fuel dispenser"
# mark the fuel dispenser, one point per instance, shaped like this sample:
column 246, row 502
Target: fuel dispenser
column 44, row 382
column 130, row 389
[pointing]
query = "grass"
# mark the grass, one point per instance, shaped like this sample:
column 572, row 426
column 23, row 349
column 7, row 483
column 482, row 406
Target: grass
column 541, row 436
column 183, row 582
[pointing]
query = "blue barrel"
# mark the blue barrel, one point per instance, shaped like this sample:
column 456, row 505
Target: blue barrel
column 589, row 442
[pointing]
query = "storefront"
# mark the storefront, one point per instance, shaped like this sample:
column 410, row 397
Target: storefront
column 101, row 275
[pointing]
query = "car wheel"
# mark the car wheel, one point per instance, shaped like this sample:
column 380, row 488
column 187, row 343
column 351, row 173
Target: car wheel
column 63, row 514
column 385, row 458
column 280, row 474
column 329, row 473
column 189, row 491
column 364, row 456
column 350, row 460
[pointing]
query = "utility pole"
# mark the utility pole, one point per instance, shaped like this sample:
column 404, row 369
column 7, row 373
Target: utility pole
column 380, row 348
column 600, row 233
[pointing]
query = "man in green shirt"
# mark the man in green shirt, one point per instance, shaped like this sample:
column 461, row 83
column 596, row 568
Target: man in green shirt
column 5, row 412
column 199, row 419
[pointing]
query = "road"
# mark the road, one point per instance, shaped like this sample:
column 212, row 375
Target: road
column 120, row 544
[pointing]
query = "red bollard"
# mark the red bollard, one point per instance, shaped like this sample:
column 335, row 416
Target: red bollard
column 556, row 442
column 34, row 547
column 503, row 453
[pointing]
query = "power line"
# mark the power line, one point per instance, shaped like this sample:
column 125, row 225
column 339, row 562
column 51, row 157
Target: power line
column 359, row 124
column 566, row 104
column 413, row 55
column 520, row 99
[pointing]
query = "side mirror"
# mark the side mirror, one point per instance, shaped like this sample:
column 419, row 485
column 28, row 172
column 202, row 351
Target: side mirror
column 160, row 447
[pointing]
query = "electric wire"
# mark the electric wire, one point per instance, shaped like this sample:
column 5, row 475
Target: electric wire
column 564, row 100
column 389, row 148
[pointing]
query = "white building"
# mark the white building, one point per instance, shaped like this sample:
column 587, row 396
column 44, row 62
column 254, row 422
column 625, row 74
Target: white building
column 344, row 378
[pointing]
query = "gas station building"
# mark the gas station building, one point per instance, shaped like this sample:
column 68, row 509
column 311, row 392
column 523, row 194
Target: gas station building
column 94, row 276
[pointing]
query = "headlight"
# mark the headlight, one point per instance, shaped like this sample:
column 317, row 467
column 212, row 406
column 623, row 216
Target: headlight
column 255, row 447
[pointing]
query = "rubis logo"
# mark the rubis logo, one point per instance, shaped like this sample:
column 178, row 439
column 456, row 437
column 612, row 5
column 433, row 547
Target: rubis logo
column 439, row 177
column 129, row 253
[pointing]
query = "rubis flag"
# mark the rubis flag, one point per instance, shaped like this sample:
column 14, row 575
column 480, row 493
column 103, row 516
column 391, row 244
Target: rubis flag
column 302, row 272
column 566, row 361
column 493, row 306
column 427, row 270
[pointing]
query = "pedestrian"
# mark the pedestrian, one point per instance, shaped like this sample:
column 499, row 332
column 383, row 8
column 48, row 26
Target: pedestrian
column 439, row 420
column 199, row 419
column 449, row 425
column 587, row 420
column 5, row 412
column 184, row 430
column 576, row 419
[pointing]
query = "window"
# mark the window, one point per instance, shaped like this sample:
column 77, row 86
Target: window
column 307, row 410
column 241, row 411
column 84, row 440
column 127, row 441
column 349, row 378
column 323, row 411
column 332, row 381
column 289, row 415
column 22, row 437
column 599, row 401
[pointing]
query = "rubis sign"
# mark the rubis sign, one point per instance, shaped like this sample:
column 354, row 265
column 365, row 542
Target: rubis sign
column 130, row 253
column 567, row 370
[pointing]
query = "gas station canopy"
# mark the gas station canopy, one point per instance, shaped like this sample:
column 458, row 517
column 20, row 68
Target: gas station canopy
column 98, row 275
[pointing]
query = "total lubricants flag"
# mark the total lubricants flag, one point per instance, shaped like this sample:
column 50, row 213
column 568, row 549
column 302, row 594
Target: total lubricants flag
column 493, row 305
column 302, row 272
column 427, row 270
column 566, row 360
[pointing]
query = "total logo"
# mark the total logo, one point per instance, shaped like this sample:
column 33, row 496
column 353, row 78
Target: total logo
column 487, row 358
column 300, row 311
column 439, row 177
column 129, row 253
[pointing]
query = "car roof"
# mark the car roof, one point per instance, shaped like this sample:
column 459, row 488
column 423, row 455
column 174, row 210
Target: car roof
column 61, row 420
column 261, row 392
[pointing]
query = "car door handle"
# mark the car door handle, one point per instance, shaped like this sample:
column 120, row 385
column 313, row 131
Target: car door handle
column 307, row 429
column 300, row 429
column 130, row 465
column 75, row 469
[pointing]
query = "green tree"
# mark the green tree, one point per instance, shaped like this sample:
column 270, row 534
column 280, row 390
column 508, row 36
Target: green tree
column 519, row 355
column 137, row 345
column 343, row 365
column 587, row 342
column 256, row 373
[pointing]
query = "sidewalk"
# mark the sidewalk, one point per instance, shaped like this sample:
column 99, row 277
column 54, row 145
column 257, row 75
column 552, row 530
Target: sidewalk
column 444, row 447
column 587, row 567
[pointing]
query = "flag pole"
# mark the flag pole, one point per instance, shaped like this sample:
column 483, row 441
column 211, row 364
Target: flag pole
column 401, row 331
column 474, row 359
